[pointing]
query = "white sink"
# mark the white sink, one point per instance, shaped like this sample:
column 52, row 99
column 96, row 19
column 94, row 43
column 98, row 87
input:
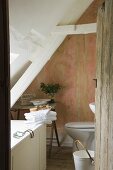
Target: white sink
column 92, row 107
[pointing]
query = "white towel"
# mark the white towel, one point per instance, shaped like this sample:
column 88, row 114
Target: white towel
column 35, row 119
column 40, row 116
column 50, row 118
column 51, row 113
column 35, row 113
column 33, row 124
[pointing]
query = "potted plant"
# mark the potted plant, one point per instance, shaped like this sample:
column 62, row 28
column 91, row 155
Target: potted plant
column 50, row 89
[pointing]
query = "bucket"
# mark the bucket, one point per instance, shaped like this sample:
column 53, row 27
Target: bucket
column 83, row 159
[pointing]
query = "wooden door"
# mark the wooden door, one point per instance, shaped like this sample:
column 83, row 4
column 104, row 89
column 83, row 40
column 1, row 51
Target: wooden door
column 4, row 88
column 104, row 91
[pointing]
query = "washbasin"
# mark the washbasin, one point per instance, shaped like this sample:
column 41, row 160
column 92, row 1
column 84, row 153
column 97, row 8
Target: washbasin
column 92, row 107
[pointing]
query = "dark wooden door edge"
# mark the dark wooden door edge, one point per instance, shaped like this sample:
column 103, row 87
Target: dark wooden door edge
column 4, row 87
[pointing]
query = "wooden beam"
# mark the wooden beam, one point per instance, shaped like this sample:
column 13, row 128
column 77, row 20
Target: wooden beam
column 33, row 70
column 75, row 29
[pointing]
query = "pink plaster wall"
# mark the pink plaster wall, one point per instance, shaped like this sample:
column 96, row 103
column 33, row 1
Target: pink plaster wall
column 73, row 66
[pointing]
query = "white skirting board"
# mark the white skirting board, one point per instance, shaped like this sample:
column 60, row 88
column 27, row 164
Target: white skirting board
column 64, row 138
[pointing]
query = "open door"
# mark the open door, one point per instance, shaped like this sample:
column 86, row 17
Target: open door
column 4, row 88
column 104, row 91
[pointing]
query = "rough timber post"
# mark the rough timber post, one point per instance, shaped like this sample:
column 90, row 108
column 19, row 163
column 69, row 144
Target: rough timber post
column 104, row 90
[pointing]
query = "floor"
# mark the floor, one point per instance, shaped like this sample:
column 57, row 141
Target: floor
column 61, row 159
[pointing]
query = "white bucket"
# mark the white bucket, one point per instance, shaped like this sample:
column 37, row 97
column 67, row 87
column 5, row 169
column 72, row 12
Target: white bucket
column 82, row 160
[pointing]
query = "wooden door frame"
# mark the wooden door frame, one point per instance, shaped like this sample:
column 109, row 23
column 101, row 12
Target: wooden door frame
column 4, row 87
column 104, row 91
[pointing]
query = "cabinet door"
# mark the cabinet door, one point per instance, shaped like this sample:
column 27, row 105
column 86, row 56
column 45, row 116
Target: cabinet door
column 42, row 134
column 30, row 153
column 37, row 148
column 24, row 155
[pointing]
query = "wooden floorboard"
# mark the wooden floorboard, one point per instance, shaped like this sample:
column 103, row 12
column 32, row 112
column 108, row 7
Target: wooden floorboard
column 61, row 159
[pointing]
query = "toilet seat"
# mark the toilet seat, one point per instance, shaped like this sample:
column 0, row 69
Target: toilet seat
column 80, row 125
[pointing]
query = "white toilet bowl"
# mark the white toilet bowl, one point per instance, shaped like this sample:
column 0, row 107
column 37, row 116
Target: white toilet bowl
column 83, row 131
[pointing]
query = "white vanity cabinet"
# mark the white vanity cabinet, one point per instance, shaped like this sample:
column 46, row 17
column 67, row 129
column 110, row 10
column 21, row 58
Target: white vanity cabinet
column 30, row 153
column 42, row 157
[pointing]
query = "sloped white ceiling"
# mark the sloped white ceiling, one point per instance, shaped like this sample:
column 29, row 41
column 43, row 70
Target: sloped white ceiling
column 43, row 15
column 31, row 24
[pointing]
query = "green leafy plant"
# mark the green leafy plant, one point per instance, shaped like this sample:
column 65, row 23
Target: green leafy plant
column 50, row 89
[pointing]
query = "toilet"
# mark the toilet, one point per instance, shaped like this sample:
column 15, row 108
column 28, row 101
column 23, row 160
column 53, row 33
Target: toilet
column 83, row 131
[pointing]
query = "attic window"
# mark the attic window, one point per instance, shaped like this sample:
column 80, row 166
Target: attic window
column 13, row 56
